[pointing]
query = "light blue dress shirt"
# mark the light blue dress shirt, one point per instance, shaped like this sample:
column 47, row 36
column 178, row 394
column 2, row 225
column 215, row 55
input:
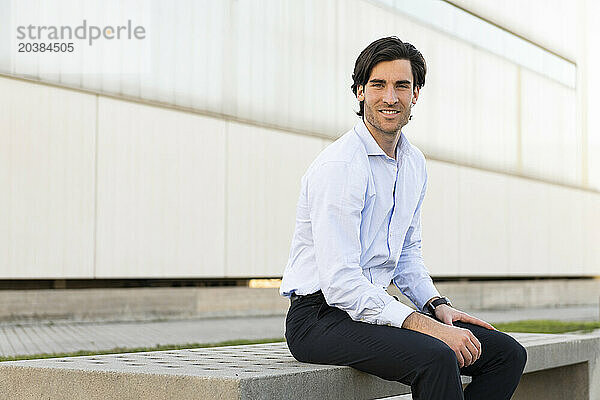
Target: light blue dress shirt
column 358, row 227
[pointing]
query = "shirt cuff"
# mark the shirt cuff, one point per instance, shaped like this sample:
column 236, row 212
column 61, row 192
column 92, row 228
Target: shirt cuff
column 394, row 314
column 424, row 291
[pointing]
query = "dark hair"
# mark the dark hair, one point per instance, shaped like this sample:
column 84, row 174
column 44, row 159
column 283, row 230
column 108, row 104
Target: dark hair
column 387, row 49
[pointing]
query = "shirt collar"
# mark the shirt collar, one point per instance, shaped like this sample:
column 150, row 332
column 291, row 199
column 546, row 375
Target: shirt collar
column 371, row 145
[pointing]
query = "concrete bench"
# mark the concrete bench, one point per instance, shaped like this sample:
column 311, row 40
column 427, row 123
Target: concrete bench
column 558, row 367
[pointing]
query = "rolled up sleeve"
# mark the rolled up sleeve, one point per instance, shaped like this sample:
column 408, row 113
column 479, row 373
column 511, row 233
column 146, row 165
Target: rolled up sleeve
column 410, row 275
column 336, row 193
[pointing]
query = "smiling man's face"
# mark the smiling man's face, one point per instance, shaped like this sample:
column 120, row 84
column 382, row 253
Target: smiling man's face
column 388, row 96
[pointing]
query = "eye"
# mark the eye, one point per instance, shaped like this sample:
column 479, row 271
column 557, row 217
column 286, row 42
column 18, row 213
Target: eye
column 377, row 85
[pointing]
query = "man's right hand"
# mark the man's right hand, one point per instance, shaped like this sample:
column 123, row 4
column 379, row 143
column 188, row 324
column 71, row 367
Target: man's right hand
column 462, row 341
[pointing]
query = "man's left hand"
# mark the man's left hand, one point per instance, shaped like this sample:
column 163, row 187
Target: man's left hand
column 448, row 315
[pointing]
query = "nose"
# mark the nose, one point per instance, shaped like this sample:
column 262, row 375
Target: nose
column 389, row 96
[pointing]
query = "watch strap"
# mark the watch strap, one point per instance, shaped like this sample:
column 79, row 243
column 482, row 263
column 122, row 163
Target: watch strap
column 438, row 302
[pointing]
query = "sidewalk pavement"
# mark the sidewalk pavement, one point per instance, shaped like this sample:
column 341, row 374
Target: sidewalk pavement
column 27, row 338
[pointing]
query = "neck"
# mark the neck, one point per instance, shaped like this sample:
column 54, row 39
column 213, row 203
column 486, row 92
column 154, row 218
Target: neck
column 387, row 141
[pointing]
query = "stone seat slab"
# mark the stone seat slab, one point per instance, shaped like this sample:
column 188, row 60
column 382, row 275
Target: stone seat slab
column 261, row 371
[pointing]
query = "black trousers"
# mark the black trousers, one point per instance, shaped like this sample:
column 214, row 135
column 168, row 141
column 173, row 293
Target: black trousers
column 321, row 334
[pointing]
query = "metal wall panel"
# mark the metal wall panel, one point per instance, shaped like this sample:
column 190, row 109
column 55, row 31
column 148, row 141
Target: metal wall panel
column 550, row 142
column 264, row 168
column 161, row 192
column 591, row 233
column 529, row 225
column 589, row 84
column 507, row 226
column 441, row 220
column 565, row 211
column 47, row 157
column 483, row 231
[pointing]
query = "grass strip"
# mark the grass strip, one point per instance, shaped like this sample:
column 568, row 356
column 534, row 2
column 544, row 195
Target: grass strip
column 548, row 326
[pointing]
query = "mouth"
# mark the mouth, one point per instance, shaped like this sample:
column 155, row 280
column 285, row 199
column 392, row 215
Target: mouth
column 388, row 113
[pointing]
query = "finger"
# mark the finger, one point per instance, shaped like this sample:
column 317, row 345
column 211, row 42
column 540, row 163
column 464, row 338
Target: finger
column 461, row 360
column 474, row 351
column 477, row 345
column 467, row 356
column 475, row 321
column 475, row 342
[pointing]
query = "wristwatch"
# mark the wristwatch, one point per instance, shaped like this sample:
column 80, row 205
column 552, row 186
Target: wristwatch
column 436, row 303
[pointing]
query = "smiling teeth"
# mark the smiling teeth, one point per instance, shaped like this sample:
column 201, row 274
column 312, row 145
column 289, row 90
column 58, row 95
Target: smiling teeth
column 389, row 112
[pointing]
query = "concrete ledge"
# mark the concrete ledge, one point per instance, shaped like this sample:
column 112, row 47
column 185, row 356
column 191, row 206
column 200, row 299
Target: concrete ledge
column 268, row 371
column 153, row 303
column 502, row 295
column 139, row 303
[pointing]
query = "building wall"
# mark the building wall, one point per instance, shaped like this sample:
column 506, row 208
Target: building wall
column 189, row 165
column 97, row 187
column 47, row 164
column 568, row 29
column 490, row 96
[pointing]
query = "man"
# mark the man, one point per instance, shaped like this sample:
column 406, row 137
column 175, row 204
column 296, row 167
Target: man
column 358, row 227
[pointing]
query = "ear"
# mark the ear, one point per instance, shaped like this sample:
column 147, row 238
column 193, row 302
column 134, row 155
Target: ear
column 360, row 93
column 415, row 95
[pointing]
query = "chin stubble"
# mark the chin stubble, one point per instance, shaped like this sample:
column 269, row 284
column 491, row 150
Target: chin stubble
column 403, row 120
